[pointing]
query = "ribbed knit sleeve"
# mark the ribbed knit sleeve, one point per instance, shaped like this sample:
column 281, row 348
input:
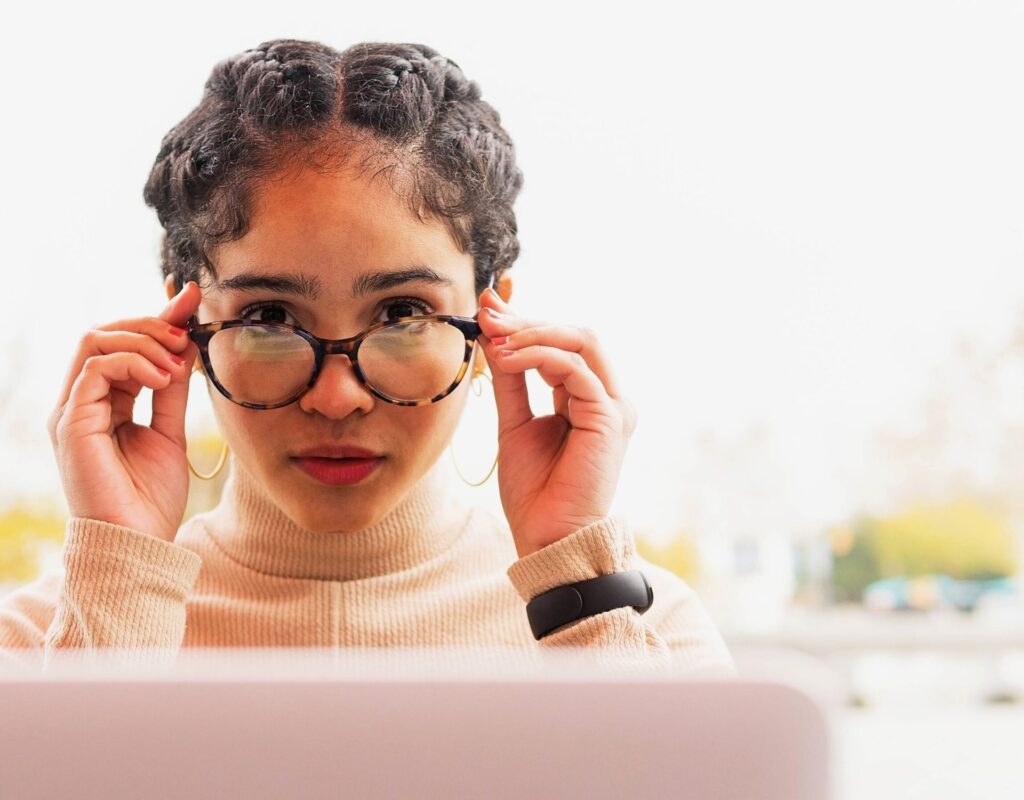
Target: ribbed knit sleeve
column 685, row 638
column 121, row 588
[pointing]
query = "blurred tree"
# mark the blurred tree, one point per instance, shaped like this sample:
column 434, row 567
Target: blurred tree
column 964, row 539
column 855, row 562
column 22, row 532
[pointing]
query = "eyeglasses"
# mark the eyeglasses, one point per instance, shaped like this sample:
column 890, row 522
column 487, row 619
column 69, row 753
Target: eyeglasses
column 409, row 361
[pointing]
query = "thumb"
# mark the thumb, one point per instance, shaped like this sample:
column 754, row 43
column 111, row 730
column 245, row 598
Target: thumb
column 510, row 393
column 169, row 403
column 183, row 305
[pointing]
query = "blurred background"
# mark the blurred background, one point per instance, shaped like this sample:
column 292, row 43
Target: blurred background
column 798, row 229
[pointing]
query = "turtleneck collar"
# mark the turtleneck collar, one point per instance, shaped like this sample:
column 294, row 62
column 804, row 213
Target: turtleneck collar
column 255, row 532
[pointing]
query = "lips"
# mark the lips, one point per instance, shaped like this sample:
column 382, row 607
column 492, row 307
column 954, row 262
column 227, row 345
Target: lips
column 336, row 451
column 338, row 471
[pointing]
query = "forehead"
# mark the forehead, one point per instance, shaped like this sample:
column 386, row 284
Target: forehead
column 337, row 226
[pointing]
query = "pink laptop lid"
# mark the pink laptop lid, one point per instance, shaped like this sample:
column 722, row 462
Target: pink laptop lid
column 309, row 734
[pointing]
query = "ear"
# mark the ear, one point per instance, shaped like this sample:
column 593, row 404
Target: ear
column 479, row 361
column 169, row 287
column 504, row 287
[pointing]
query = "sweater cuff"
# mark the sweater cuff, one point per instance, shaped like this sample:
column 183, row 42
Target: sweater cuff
column 122, row 588
column 97, row 540
column 600, row 548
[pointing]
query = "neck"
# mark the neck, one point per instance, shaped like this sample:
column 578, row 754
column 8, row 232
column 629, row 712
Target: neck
column 252, row 530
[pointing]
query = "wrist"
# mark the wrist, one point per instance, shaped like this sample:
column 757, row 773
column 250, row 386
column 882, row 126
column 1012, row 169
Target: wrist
column 526, row 546
column 564, row 604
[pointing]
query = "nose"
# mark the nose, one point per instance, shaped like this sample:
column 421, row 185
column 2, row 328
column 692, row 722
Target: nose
column 337, row 391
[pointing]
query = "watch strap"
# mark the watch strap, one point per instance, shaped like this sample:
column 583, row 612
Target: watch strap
column 564, row 604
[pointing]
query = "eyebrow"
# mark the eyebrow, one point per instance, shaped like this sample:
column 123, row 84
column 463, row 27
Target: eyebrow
column 309, row 286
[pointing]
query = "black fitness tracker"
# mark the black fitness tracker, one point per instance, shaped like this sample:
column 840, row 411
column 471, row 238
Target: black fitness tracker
column 574, row 601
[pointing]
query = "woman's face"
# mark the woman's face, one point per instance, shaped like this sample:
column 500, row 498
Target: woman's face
column 327, row 235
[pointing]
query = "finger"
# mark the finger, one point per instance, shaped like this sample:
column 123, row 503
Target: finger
column 510, row 393
column 122, row 398
column 175, row 312
column 561, row 401
column 557, row 368
column 107, row 342
column 100, row 372
column 106, row 339
column 169, row 402
column 565, row 337
column 168, row 329
column 183, row 305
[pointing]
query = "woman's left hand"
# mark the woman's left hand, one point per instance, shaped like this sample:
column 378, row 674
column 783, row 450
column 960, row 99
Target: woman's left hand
column 559, row 472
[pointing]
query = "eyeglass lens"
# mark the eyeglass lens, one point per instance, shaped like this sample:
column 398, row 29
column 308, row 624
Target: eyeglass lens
column 409, row 361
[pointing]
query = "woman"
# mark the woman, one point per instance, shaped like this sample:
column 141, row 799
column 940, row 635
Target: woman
column 308, row 198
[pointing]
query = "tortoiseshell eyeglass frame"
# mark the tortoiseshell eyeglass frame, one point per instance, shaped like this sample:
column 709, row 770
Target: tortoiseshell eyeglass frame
column 202, row 333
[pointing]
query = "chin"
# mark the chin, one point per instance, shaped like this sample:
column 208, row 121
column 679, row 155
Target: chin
column 334, row 511
column 335, row 521
column 323, row 508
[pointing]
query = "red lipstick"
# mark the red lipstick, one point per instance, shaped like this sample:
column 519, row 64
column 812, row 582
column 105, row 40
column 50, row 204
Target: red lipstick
column 338, row 471
column 337, row 465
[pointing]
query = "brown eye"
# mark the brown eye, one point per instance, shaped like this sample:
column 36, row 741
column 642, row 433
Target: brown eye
column 269, row 312
column 404, row 307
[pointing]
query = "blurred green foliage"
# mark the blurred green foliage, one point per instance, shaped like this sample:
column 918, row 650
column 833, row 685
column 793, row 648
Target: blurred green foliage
column 964, row 539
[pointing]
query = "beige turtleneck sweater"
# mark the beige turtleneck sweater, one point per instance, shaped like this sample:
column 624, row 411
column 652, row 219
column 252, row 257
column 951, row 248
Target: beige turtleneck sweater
column 435, row 572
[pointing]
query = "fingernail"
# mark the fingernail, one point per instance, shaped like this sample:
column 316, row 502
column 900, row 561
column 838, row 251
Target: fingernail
column 177, row 331
column 177, row 359
column 506, row 353
column 499, row 339
column 163, row 373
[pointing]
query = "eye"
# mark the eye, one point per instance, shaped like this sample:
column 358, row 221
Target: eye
column 405, row 306
column 268, row 312
column 389, row 311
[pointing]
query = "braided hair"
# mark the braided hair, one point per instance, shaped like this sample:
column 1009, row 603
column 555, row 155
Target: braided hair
column 398, row 110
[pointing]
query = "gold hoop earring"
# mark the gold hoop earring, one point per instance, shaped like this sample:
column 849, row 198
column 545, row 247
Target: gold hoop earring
column 477, row 391
column 220, row 465
column 197, row 367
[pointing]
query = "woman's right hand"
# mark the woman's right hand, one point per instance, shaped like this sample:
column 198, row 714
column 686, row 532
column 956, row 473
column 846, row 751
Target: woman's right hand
column 113, row 469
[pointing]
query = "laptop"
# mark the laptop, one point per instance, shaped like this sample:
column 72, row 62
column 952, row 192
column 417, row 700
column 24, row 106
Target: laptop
column 396, row 724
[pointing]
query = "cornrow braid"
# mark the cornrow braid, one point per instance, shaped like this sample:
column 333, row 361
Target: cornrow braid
column 289, row 101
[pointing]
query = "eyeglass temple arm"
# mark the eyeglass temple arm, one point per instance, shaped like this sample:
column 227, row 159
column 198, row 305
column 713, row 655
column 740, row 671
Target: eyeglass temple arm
column 490, row 285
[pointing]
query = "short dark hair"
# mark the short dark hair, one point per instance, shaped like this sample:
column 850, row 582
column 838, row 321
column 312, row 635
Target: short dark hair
column 400, row 110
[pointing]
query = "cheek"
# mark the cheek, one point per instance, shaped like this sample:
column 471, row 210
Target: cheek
column 243, row 427
column 422, row 423
column 432, row 426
